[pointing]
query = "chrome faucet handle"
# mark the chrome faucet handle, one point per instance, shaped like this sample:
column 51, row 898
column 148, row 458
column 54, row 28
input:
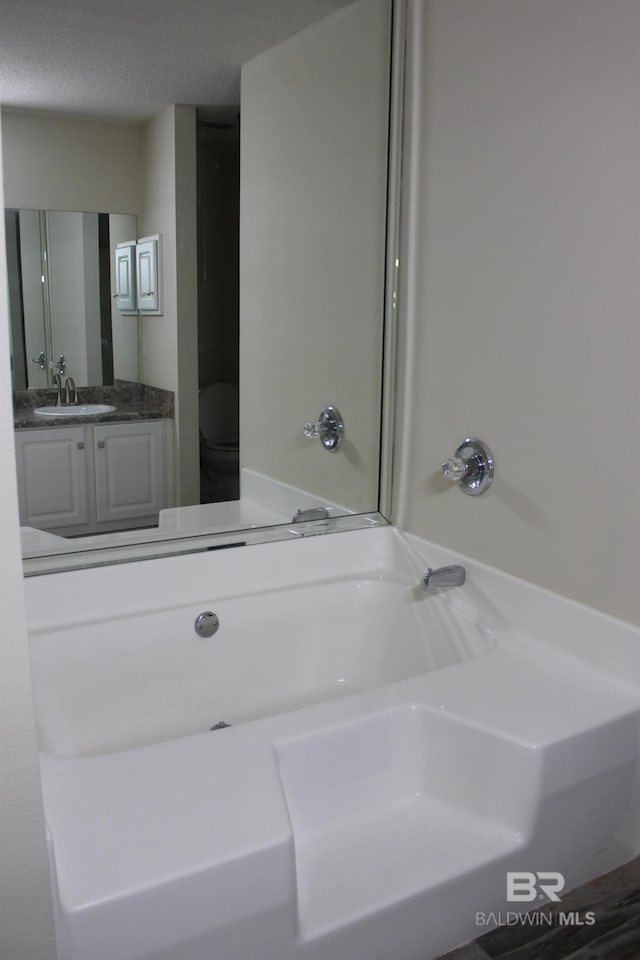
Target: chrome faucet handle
column 328, row 428
column 471, row 466
column 59, row 364
column 41, row 360
column 455, row 468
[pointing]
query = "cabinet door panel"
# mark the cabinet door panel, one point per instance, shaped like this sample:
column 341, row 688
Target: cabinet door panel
column 129, row 470
column 125, row 277
column 52, row 478
column 148, row 274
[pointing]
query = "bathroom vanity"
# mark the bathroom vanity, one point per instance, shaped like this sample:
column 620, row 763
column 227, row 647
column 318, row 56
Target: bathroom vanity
column 95, row 467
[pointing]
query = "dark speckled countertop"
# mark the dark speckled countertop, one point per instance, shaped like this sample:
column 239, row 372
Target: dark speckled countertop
column 133, row 401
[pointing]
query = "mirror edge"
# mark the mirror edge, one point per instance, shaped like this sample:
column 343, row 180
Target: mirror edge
column 200, row 543
column 392, row 254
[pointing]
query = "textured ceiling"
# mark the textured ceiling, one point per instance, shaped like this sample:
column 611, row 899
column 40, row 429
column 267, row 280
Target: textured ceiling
column 127, row 59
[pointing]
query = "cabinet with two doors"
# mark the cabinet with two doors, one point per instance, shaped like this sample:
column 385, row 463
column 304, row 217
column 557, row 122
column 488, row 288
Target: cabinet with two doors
column 93, row 478
column 138, row 276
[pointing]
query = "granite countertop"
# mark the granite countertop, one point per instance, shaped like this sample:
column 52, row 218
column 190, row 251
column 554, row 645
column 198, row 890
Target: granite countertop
column 133, row 402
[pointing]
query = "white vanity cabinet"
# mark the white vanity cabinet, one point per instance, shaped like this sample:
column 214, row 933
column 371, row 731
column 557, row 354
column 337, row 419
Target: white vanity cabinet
column 52, row 477
column 93, row 478
column 129, row 462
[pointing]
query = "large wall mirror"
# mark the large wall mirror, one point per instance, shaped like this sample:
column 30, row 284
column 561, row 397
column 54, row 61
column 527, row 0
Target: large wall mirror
column 253, row 401
column 63, row 315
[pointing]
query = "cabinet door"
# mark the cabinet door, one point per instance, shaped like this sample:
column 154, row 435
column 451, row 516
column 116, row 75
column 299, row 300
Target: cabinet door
column 52, row 477
column 148, row 274
column 130, row 479
column 125, row 277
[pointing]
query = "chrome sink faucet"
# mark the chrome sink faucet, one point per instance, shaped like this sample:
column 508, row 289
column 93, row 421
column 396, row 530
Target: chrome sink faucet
column 70, row 391
column 57, row 379
column 452, row 576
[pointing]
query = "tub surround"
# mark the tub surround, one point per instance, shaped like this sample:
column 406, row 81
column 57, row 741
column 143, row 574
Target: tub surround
column 133, row 402
column 333, row 829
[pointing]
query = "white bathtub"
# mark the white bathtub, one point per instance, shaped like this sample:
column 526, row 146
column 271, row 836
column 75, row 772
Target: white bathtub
column 391, row 754
column 126, row 681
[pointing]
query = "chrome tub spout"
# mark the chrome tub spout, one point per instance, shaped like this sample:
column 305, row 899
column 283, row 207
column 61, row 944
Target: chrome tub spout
column 313, row 513
column 452, row 576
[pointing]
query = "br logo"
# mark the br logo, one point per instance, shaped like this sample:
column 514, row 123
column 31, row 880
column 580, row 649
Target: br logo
column 526, row 886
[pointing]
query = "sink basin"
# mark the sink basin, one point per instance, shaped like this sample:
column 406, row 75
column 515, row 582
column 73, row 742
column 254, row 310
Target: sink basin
column 75, row 410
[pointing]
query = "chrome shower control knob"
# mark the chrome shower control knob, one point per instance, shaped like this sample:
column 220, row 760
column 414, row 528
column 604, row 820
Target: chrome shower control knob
column 471, row 466
column 455, row 468
column 328, row 428
column 206, row 624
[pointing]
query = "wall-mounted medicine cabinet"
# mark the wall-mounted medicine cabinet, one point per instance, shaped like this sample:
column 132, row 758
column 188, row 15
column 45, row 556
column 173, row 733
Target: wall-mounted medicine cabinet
column 138, row 276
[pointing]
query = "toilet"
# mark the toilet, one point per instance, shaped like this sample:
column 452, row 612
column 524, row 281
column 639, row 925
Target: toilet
column 219, row 449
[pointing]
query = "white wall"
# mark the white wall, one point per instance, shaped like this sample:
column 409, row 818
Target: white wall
column 312, row 200
column 26, row 918
column 169, row 342
column 524, row 286
column 54, row 163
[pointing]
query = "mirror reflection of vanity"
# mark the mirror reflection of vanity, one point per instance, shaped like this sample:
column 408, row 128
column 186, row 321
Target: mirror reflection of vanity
column 314, row 117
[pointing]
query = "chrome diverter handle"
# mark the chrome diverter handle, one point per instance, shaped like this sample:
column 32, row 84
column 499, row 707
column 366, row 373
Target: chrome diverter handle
column 471, row 466
column 328, row 428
